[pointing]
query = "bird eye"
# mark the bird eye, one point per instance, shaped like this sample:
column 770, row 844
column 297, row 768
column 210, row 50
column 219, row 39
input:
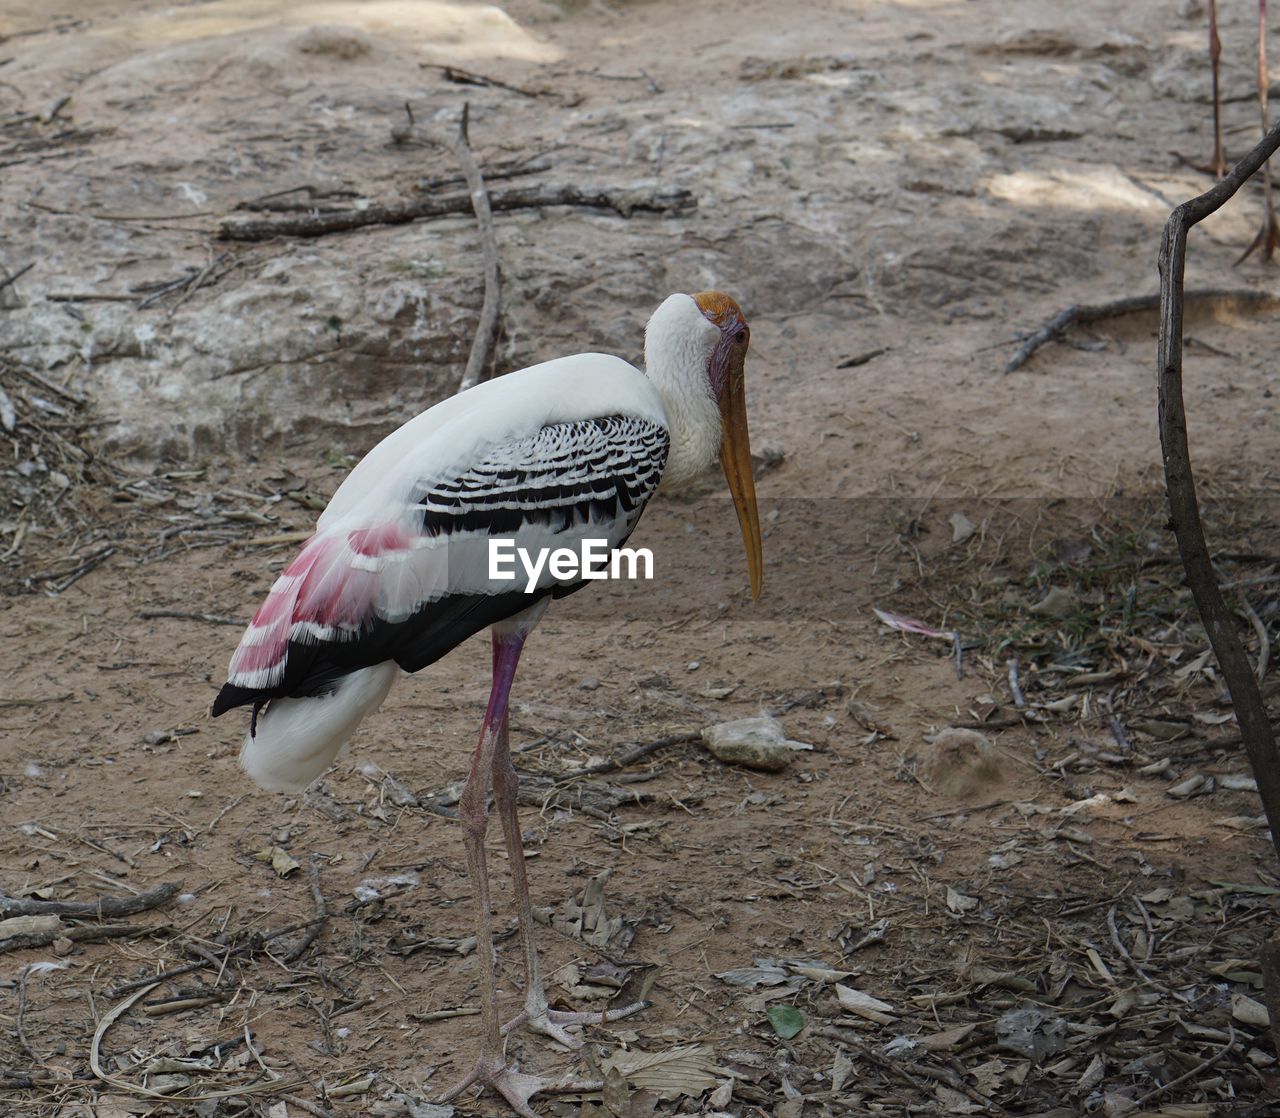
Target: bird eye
column 740, row 336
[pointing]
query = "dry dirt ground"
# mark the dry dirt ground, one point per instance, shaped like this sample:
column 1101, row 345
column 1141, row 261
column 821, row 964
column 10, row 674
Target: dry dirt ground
column 1062, row 916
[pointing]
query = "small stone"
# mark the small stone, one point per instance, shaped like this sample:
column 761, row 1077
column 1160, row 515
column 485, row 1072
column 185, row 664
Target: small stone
column 588, row 683
column 1057, row 603
column 961, row 527
column 757, row 743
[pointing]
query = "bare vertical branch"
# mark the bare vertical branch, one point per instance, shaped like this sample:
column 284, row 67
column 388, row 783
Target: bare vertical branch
column 1246, row 697
column 459, row 147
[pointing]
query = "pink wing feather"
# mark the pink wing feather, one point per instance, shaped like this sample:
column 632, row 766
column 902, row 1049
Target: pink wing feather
column 328, row 592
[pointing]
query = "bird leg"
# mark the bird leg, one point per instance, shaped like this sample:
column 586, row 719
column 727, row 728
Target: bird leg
column 492, row 1068
column 1218, row 165
column 537, row 1015
column 1267, row 239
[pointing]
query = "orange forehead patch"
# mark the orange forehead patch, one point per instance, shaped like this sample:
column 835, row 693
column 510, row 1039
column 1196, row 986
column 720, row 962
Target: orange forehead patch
column 717, row 306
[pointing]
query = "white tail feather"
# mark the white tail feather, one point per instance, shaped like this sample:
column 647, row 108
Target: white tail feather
column 297, row 739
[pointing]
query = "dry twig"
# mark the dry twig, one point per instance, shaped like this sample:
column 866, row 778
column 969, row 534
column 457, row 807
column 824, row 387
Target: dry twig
column 322, row 913
column 459, row 76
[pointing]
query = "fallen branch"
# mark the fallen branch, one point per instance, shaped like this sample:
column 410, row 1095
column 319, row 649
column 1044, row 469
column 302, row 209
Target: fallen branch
column 1219, row 623
column 620, row 199
column 1081, row 314
column 105, row 908
column 632, row 755
column 322, row 913
column 487, row 328
column 94, row 933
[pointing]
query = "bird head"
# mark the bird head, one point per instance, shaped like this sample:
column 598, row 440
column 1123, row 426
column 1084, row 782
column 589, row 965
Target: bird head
column 726, row 377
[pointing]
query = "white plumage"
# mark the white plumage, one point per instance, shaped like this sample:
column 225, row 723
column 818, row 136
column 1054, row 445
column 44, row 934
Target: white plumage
column 297, row 739
column 397, row 573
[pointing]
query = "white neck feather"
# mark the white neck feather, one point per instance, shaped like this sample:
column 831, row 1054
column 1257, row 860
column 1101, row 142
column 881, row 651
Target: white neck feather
column 678, row 344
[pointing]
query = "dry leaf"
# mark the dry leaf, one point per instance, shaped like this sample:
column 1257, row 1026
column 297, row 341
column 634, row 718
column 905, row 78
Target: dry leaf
column 864, row 1005
column 615, row 1094
column 683, row 1070
column 948, row 1039
column 722, row 1095
column 990, row 1075
column 960, row 902
column 280, row 860
column 765, row 973
column 840, row 1071
column 954, row 1102
column 1249, row 1012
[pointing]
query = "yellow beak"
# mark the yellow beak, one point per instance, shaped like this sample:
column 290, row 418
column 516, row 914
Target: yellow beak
column 735, row 458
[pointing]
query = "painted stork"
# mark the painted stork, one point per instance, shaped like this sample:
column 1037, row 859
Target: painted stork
column 397, row 574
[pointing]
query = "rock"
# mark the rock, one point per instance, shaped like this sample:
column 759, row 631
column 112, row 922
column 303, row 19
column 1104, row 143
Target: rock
column 960, row 763
column 1056, row 603
column 757, row 743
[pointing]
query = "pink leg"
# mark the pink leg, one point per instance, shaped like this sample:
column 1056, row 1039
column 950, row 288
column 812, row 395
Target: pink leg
column 1268, row 238
column 1218, row 165
column 536, row 1014
column 493, row 1069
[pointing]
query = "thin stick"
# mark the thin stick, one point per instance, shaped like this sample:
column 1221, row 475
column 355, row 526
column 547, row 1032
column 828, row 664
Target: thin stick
column 309, row 1107
column 1246, row 697
column 91, row 564
column 42, row 382
column 16, row 275
column 632, row 756
column 1199, row 1069
column 460, row 76
column 1264, row 640
column 322, row 913
column 188, row 615
column 22, row 1009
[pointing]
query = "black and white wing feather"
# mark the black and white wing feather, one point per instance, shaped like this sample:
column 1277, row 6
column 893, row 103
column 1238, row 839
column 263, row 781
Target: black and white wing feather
column 412, row 580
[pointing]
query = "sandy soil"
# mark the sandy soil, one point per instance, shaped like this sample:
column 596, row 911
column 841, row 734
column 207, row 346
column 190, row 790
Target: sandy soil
column 920, row 182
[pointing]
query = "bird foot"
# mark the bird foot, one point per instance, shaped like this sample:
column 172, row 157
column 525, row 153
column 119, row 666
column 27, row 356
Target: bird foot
column 514, row 1086
column 551, row 1022
column 1265, row 242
